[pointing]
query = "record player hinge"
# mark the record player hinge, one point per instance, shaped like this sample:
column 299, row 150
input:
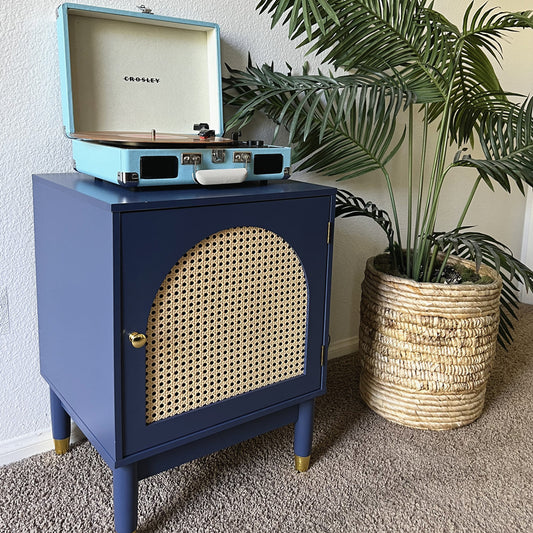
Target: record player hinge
column 145, row 10
column 191, row 159
column 128, row 178
column 242, row 157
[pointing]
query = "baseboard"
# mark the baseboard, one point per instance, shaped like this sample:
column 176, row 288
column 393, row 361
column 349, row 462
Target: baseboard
column 31, row 444
column 343, row 347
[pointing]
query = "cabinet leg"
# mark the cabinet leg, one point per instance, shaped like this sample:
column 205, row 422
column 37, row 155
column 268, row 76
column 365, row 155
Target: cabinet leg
column 60, row 425
column 303, row 435
column 125, row 496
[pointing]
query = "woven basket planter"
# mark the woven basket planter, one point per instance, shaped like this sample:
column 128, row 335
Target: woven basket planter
column 427, row 348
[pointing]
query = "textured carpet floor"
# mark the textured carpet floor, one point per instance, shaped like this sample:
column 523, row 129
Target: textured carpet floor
column 367, row 474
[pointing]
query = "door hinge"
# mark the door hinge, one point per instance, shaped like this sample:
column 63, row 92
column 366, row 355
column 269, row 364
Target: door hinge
column 322, row 355
column 329, row 233
column 128, row 178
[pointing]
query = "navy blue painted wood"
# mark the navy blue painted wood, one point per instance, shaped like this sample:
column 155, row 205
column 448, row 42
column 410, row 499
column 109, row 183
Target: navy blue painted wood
column 153, row 464
column 125, row 498
column 119, row 199
column 77, row 295
column 236, row 425
column 303, row 429
column 102, row 252
column 60, row 418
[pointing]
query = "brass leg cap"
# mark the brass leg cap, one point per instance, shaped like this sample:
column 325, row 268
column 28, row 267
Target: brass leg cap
column 302, row 463
column 61, row 445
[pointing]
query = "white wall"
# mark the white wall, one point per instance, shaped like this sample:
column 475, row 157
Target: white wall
column 32, row 141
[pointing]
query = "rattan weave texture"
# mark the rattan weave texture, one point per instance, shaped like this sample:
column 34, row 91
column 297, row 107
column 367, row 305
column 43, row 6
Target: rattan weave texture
column 230, row 317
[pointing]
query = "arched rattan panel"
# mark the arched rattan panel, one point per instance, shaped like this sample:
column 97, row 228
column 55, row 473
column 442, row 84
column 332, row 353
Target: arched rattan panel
column 230, row 317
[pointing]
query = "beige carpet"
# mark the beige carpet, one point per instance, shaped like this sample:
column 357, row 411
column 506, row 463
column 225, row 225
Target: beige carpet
column 367, row 474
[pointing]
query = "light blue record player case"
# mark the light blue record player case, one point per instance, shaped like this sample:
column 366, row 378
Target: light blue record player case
column 134, row 84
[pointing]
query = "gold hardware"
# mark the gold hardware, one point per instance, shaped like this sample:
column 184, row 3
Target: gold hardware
column 329, row 233
column 61, row 446
column 138, row 340
column 322, row 356
column 302, row 463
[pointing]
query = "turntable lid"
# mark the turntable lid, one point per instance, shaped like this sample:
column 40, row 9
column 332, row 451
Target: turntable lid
column 127, row 71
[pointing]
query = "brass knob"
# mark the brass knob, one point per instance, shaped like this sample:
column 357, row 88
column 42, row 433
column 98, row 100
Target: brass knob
column 138, row 340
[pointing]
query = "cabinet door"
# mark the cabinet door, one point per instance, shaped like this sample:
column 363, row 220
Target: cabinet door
column 232, row 299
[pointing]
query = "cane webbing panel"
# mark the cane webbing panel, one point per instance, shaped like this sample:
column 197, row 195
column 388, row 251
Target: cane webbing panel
column 230, row 317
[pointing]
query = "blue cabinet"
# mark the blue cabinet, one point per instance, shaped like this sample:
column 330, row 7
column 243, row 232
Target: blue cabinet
column 177, row 322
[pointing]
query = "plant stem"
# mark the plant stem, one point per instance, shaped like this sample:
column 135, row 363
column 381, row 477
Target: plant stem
column 420, row 187
column 443, row 265
column 459, row 224
column 437, row 175
column 410, row 192
column 469, row 202
column 435, row 185
column 432, row 263
column 394, row 212
column 433, row 219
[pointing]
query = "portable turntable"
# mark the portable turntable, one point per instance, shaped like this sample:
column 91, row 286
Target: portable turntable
column 142, row 102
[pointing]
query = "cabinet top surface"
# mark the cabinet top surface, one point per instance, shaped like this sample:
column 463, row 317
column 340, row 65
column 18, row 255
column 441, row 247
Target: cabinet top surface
column 116, row 198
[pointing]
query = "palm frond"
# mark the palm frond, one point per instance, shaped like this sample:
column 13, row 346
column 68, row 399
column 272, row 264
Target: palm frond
column 300, row 13
column 473, row 78
column 486, row 27
column 374, row 35
column 347, row 205
column 482, row 248
column 349, row 121
column 506, row 137
column 363, row 140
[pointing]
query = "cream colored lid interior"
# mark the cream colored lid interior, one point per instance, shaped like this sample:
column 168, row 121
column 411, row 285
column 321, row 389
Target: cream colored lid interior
column 110, row 56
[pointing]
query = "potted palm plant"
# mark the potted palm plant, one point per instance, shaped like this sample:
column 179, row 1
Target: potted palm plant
column 430, row 310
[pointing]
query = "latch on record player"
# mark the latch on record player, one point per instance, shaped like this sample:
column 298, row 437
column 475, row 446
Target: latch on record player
column 218, row 155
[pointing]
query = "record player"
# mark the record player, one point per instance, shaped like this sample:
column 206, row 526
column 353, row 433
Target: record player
column 142, row 102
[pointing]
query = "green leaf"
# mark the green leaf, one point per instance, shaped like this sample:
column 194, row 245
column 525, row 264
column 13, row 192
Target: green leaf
column 304, row 13
column 348, row 205
column 472, row 75
column 506, row 138
column 342, row 126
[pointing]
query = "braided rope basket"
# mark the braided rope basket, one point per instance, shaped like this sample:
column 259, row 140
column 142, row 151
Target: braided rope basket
column 427, row 348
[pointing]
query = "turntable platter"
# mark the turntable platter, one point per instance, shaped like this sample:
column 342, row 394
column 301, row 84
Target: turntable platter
column 152, row 139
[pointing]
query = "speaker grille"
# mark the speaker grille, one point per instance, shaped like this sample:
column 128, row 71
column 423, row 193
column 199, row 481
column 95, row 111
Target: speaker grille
column 230, row 317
